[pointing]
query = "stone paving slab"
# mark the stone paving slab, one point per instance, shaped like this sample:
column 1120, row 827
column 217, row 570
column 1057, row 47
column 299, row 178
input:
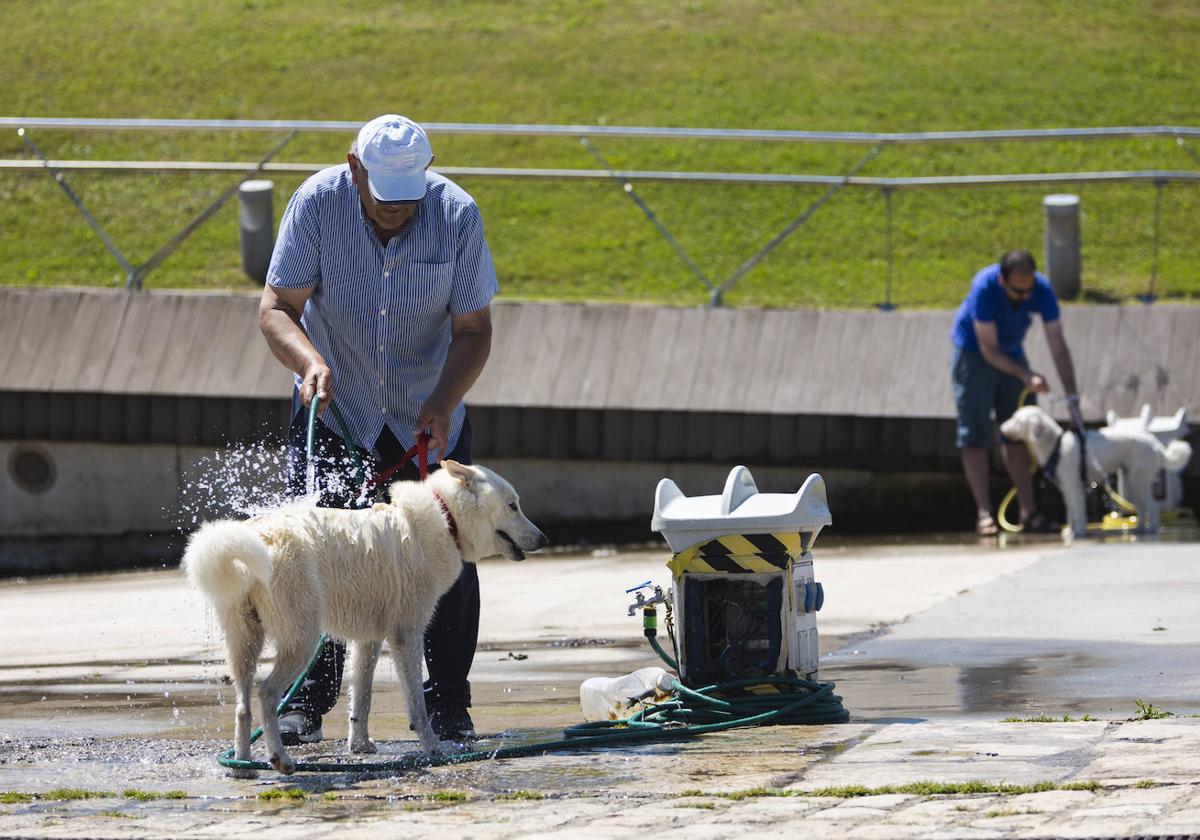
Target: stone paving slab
column 955, row 751
column 980, row 816
column 724, row 786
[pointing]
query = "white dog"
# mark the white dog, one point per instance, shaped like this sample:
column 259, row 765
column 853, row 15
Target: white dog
column 1137, row 454
column 360, row 575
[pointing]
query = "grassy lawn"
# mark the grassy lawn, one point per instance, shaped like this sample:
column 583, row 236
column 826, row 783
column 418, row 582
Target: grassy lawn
column 869, row 65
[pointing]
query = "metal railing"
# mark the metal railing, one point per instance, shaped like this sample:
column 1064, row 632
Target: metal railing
column 626, row 178
column 643, row 132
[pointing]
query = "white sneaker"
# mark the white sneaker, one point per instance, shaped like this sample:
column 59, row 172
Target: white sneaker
column 296, row 727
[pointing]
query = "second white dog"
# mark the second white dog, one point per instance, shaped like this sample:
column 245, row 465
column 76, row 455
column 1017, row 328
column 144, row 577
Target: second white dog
column 360, row 575
column 1137, row 454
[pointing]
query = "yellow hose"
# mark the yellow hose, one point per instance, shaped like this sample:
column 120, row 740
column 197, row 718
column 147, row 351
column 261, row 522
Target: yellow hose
column 1001, row 512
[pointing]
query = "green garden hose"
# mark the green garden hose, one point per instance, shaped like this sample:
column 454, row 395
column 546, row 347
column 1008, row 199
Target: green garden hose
column 690, row 713
column 762, row 701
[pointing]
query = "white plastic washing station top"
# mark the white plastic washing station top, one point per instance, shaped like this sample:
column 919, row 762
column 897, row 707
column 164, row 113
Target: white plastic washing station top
column 685, row 521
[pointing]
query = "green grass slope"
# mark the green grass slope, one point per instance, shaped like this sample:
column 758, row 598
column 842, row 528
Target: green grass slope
column 869, row 65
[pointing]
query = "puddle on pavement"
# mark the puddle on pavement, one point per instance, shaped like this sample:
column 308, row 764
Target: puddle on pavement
column 1025, row 687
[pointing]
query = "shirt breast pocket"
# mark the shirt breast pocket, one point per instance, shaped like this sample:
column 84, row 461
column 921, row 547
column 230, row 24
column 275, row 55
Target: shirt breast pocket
column 427, row 286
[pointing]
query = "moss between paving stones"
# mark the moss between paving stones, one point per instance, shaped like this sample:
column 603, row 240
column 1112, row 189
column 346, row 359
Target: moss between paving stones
column 284, row 794
column 71, row 794
column 518, row 795
column 152, row 795
column 923, row 788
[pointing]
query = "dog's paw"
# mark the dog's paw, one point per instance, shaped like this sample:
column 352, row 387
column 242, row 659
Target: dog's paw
column 283, row 763
column 239, row 773
column 363, row 746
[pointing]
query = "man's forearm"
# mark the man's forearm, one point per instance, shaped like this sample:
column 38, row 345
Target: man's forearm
column 288, row 341
column 465, row 358
column 1065, row 366
column 1005, row 364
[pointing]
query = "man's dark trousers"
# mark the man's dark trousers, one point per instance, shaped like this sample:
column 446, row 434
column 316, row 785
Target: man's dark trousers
column 452, row 634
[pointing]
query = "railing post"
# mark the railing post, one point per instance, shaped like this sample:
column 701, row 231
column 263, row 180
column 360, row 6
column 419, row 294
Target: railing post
column 1062, row 244
column 1151, row 295
column 887, row 305
column 256, row 224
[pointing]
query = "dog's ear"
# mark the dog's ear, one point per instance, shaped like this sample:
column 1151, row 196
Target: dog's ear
column 1042, row 425
column 458, row 471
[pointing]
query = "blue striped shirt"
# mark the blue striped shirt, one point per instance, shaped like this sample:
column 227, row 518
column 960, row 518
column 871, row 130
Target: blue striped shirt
column 380, row 316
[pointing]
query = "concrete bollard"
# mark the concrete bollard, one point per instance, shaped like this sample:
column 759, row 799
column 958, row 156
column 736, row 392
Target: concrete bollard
column 256, row 223
column 1062, row 244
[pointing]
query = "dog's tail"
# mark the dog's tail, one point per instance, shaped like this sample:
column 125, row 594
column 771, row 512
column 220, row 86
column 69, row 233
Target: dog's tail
column 1178, row 453
column 224, row 560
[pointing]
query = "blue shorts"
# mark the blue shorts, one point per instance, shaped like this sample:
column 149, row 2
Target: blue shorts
column 980, row 389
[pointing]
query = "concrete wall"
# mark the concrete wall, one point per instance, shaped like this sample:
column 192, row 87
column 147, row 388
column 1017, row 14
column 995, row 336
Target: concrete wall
column 585, row 407
column 602, row 356
column 110, row 490
column 113, row 506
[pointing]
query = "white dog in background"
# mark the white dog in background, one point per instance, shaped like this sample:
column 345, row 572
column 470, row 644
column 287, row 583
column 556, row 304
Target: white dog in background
column 360, row 575
column 1136, row 454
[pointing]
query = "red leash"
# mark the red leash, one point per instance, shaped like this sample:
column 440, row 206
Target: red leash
column 420, row 450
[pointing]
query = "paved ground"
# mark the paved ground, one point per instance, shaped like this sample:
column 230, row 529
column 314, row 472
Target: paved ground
column 113, row 684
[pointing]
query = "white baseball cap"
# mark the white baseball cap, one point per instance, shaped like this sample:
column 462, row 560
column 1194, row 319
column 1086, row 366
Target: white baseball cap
column 395, row 152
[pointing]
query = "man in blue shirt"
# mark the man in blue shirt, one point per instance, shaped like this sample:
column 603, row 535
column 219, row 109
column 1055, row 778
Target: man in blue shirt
column 989, row 371
column 379, row 290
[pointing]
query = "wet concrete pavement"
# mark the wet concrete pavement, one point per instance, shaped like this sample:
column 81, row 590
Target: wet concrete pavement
column 1087, row 630
column 114, row 683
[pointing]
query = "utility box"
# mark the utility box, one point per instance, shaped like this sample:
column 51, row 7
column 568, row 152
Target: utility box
column 743, row 590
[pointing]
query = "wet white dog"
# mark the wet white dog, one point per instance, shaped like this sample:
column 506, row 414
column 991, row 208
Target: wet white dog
column 1135, row 453
column 359, row 575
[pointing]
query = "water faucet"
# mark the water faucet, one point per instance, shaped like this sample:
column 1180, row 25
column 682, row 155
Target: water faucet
column 659, row 597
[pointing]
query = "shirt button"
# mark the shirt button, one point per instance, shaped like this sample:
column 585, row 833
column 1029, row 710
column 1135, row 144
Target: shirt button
column 382, row 311
column 381, row 380
column 380, row 348
column 387, row 274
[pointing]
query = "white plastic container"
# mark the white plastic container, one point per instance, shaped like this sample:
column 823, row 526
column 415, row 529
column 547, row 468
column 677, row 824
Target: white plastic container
column 617, row 698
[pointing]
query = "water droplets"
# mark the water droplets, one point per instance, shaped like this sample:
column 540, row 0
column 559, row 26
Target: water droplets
column 244, row 480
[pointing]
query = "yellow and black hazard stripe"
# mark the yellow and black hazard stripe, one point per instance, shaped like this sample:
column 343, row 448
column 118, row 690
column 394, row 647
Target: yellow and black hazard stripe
column 741, row 554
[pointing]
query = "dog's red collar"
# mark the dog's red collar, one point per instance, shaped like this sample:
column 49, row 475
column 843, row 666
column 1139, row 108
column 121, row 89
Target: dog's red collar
column 450, row 523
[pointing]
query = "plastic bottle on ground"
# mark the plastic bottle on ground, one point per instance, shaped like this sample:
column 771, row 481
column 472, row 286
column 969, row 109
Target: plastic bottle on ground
column 617, row 698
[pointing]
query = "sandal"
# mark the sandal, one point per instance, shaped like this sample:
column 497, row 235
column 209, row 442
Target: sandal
column 985, row 526
column 1036, row 523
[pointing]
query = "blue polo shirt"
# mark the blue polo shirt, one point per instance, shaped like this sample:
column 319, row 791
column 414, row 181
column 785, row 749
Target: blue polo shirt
column 380, row 316
column 987, row 302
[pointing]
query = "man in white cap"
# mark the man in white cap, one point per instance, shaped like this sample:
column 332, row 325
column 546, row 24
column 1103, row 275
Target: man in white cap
column 378, row 294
